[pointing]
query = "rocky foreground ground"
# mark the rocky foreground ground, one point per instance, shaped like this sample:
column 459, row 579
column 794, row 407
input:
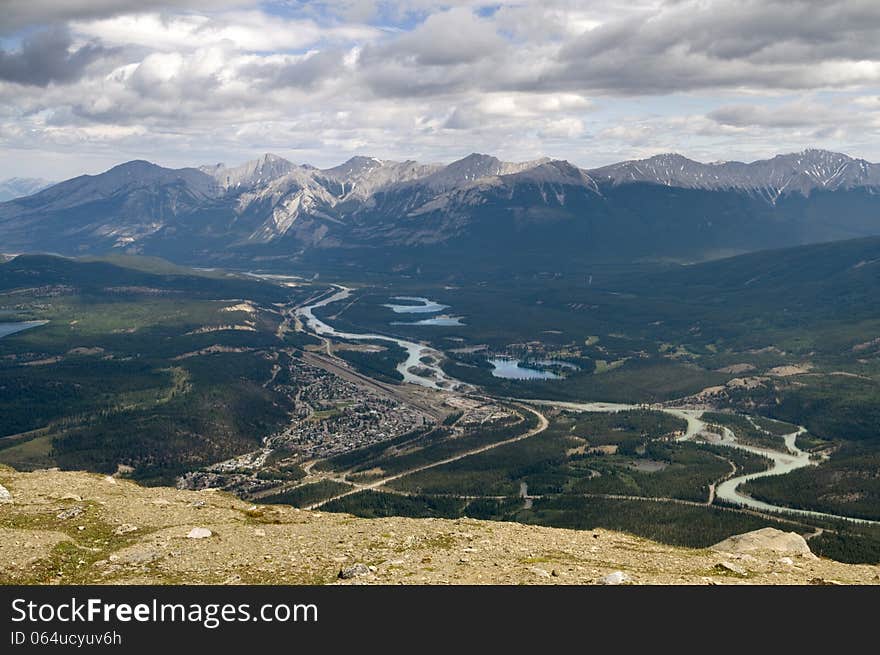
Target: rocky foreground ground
column 79, row 528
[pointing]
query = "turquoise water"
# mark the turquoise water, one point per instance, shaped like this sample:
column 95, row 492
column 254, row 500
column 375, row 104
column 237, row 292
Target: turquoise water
column 422, row 306
column 437, row 320
column 504, row 367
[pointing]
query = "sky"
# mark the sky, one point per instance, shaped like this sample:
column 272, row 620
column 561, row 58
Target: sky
column 87, row 84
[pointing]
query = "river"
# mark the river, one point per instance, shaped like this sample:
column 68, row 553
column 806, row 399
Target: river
column 413, row 369
column 782, row 463
column 431, row 375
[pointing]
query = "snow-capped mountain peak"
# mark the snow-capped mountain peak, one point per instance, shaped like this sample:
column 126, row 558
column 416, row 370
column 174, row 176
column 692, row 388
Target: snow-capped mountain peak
column 256, row 172
column 802, row 172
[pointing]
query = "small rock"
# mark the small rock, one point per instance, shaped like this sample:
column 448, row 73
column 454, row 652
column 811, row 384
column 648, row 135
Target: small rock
column 5, row 496
column 618, row 577
column 101, row 562
column 259, row 532
column 353, row 571
column 125, row 528
column 541, row 573
column 197, row 503
column 71, row 513
column 109, row 479
column 554, row 573
column 141, row 557
column 199, row 533
column 75, row 497
column 113, row 558
column 161, row 501
column 80, row 527
column 822, row 581
column 730, row 567
column 787, row 561
column 232, row 579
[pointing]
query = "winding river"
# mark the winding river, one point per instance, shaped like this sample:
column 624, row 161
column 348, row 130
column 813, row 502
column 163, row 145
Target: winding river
column 415, row 371
column 728, row 490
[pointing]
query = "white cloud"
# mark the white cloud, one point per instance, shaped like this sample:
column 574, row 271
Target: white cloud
column 250, row 31
column 435, row 79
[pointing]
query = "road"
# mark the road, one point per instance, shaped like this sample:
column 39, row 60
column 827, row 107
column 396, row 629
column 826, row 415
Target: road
column 543, row 423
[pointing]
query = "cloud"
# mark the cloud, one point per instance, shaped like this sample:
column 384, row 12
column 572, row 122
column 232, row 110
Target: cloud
column 782, row 117
column 432, row 79
column 456, row 36
column 47, row 57
column 758, row 44
column 568, row 128
column 250, row 31
column 305, row 72
column 18, row 14
column 798, row 115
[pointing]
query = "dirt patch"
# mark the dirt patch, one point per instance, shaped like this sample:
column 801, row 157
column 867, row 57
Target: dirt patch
column 788, row 371
column 608, row 449
column 647, row 465
column 736, row 369
column 85, row 351
column 22, row 549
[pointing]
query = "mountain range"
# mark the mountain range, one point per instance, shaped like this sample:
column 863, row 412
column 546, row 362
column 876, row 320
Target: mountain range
column 479, row 210
column 17, row 187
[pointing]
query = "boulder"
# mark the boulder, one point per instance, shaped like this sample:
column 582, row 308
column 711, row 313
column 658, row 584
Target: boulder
column 354, row 571
column 729, row 567
column 618, row 577
column 199, row 533
column 766, row 540
column 71, row 513
column 125, row 528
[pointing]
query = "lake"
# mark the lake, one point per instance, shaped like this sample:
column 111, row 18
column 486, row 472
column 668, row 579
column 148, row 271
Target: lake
column 437, row 320
column 415, row 305
column 509, row 368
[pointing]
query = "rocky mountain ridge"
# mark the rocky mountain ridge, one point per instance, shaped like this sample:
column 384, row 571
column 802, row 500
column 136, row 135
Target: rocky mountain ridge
column 663, row 207
column 795, row 173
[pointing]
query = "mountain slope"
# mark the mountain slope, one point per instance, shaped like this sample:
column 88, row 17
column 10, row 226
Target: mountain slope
column 100, row 212
column 141, row 536
column 380, row 214
column 17, row 187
